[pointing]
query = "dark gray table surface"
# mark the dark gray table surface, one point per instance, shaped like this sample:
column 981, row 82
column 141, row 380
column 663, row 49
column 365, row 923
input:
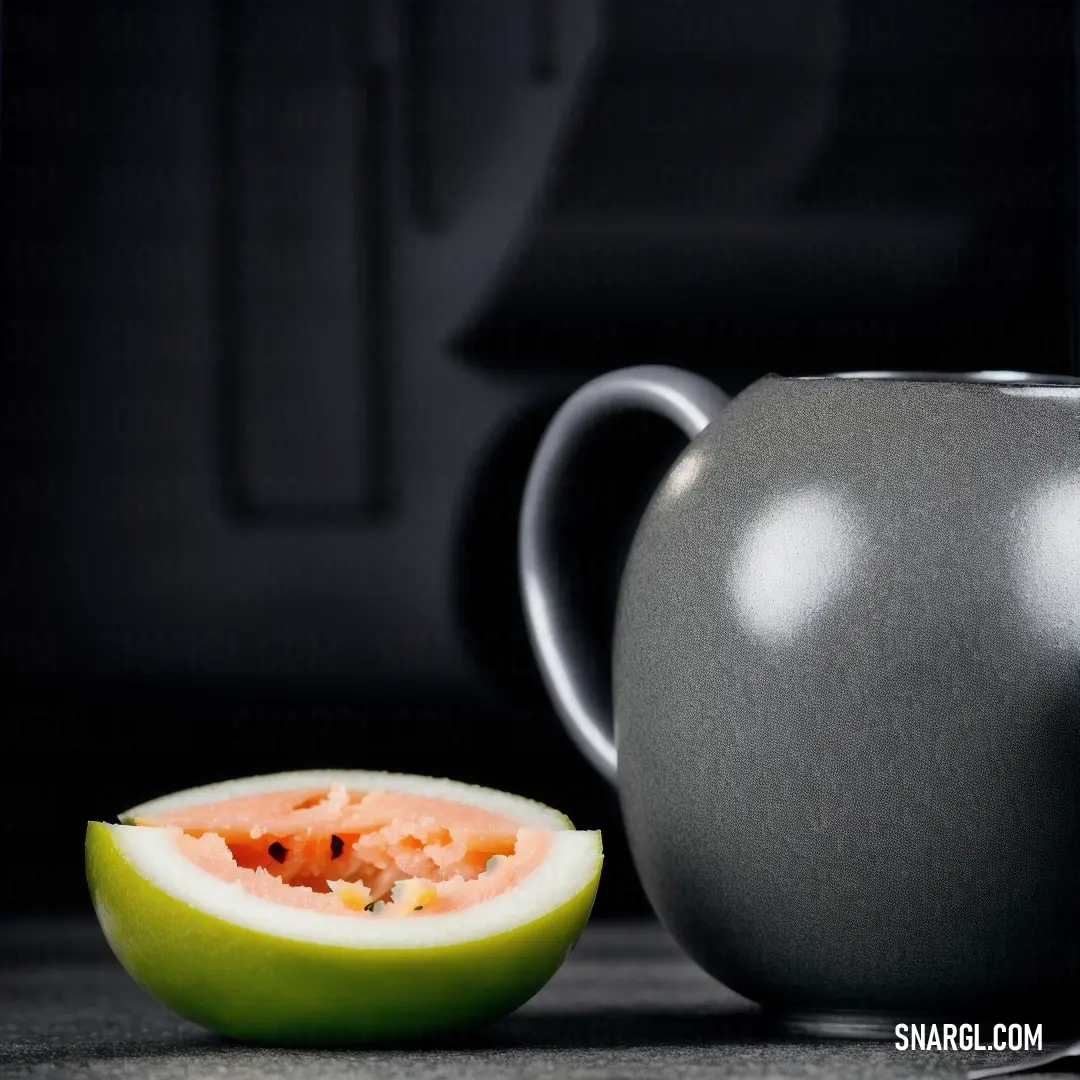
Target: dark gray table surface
column 626, row 1004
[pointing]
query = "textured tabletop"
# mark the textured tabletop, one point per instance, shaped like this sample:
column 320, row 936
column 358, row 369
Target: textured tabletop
column 626, row 1004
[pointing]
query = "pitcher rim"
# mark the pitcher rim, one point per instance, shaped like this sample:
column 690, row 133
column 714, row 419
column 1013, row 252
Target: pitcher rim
column 986, row 377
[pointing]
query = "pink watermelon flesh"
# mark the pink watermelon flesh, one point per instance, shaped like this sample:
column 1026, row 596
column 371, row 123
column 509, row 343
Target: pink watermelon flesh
column 361, row 854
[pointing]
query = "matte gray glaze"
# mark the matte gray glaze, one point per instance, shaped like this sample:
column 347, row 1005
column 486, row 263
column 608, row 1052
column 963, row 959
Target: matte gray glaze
column 847, row 693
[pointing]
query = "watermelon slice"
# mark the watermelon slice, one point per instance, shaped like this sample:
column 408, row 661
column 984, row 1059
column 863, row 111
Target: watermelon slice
column 320, row 907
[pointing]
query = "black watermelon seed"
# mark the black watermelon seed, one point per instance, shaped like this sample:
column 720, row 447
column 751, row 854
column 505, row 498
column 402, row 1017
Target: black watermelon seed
column 420, row 908
column 277, row 852
column 371, row 906
column 337, row 846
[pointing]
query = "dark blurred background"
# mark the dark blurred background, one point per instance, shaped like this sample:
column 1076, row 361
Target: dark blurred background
column 291, row 289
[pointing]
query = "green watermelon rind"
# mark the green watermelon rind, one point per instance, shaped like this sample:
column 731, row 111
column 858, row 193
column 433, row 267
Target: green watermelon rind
column 252, row 985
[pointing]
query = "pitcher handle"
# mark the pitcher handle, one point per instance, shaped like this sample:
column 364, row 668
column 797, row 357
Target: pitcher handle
column 691, row 403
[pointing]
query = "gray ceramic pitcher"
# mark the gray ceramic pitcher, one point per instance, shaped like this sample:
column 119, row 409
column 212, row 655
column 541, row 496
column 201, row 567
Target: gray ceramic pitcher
column 845, row 684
